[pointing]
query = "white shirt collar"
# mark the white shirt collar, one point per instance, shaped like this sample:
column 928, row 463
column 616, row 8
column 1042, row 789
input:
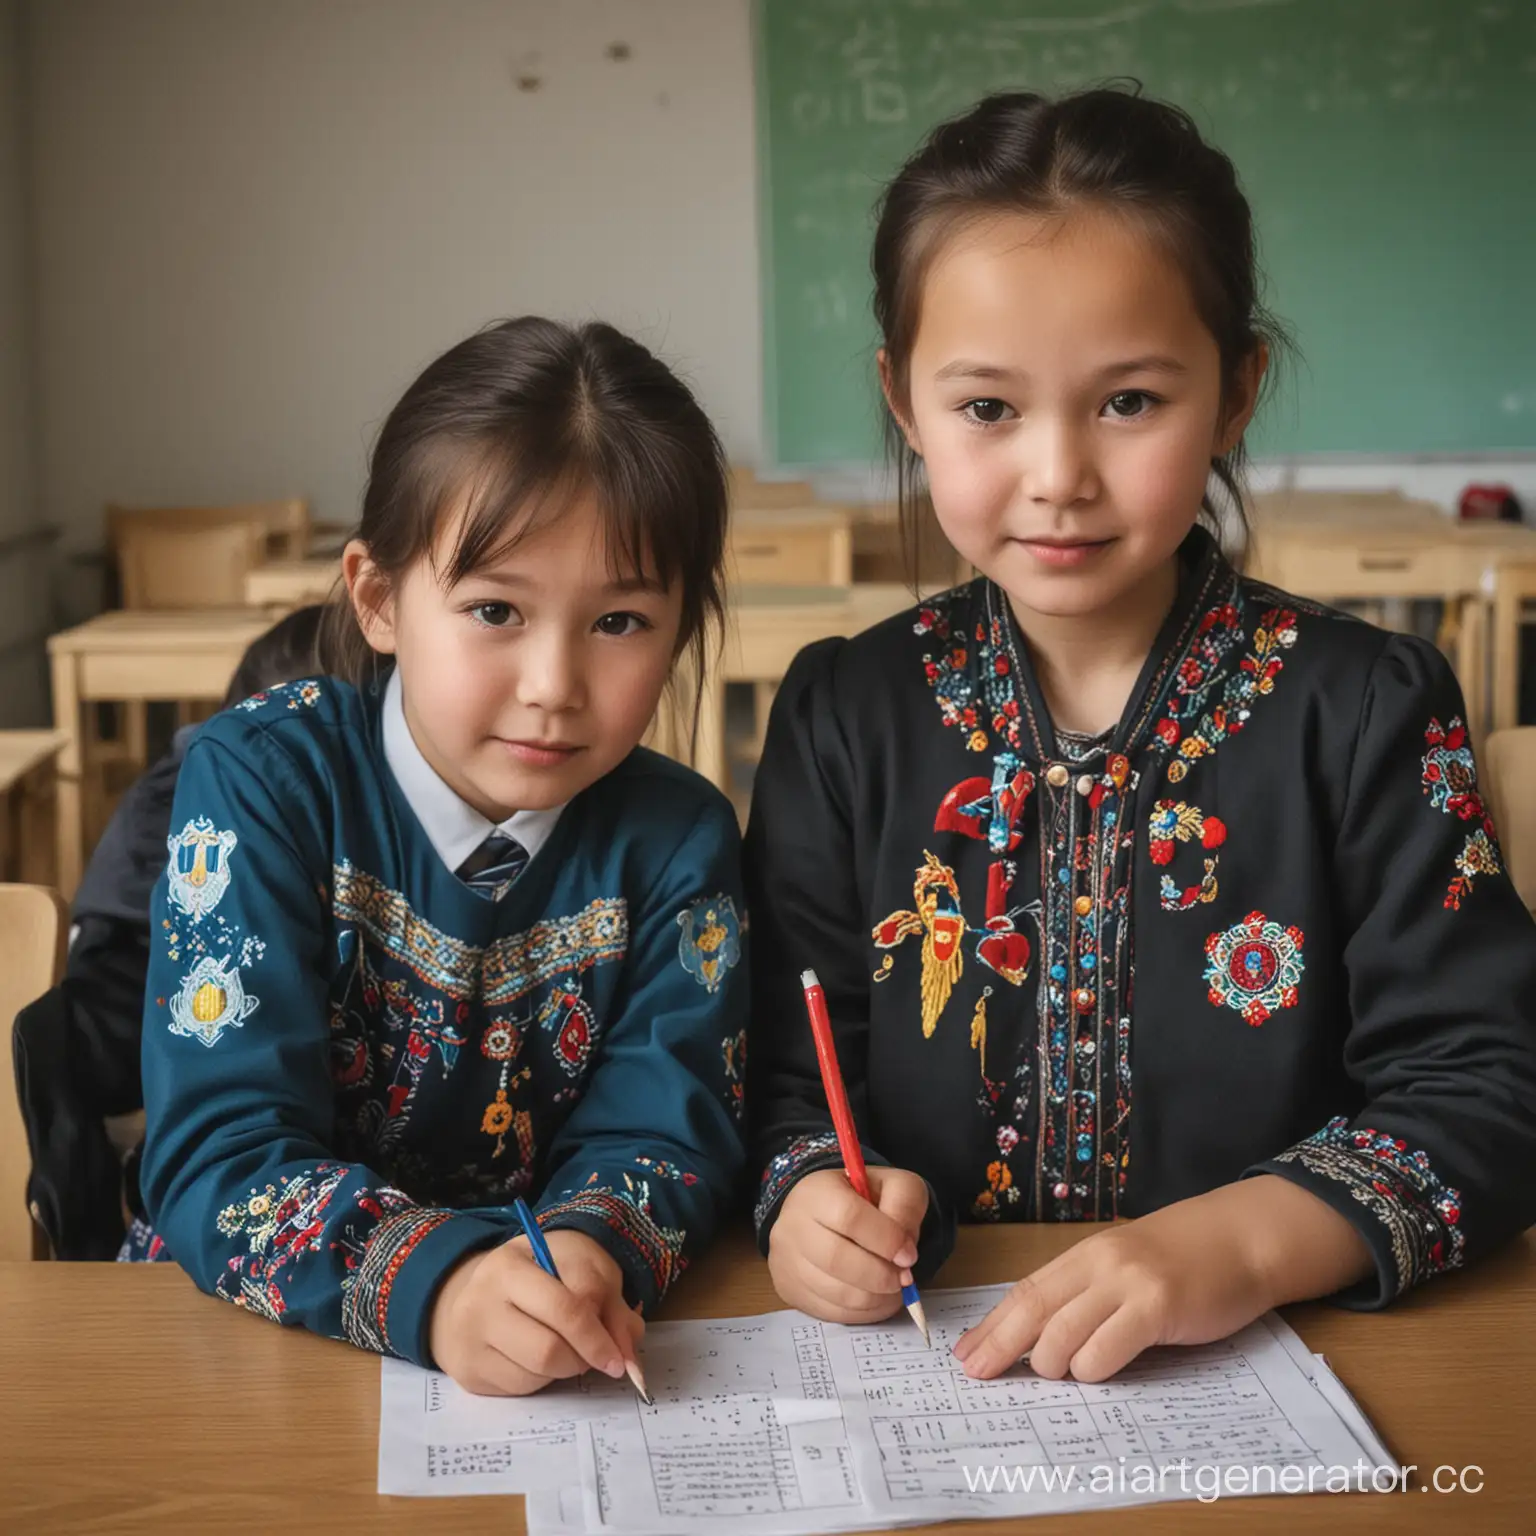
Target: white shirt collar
column 455, row 828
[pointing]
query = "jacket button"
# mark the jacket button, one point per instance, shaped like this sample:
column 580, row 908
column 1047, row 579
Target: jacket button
column 1056, row 775
column 1085, row 784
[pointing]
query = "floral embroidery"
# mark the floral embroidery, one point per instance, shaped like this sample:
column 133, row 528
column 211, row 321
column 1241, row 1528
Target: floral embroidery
column 662, row 1169
column 970, row 696
column 1174, row 822
column 1254, row 967
column 198, row 874
column 626, row 1213
column 1400, row 1188
column 1449, row 778
column 1254, row 678
column 733, row 1050
column 804, row 1154
column 211, row 999
column 306, row 692
column 280, row 1224
column 710, row 943
column 1000, row 1191
column 939, row 919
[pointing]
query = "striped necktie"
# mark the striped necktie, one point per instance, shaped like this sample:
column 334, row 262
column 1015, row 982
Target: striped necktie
column 493, row 866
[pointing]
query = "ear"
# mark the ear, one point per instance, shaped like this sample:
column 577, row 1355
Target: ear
column 371, row 595
column 1244, row 399
column 898, row 411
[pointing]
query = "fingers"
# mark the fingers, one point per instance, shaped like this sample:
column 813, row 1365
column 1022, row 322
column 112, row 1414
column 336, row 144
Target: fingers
column 1115, row 1343
column 902, row 1196
column 872, row 1229
column 516, row 1347
column 491, row 1374
column 837, row 1257
column 837, row 1302
column 622, row 1322
column 1068, row 1329
column 1008, row 1330
column 539, row 1299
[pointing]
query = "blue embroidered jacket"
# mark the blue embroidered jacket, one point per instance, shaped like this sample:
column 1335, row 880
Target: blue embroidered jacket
column 353, row 1062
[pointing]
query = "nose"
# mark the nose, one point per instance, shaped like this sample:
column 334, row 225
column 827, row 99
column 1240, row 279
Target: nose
column 551, row 673
column 1058, row 469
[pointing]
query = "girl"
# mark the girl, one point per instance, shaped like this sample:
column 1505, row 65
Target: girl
column 1136, row 888
column 434, row 933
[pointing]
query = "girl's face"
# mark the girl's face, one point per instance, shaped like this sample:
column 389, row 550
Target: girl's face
column 530, row 679
column 1065, row 398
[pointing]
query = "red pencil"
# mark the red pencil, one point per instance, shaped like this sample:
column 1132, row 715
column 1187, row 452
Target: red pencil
column 842, row 1118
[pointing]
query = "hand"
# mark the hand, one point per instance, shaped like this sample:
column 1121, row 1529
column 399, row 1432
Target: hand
column 1187, row 1274
column 503, row 1328
column 838, row 1257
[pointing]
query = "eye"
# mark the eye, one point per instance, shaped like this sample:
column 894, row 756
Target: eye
column 493, row 615
column 621, row 624
column 1130, row 403
column 986, row 412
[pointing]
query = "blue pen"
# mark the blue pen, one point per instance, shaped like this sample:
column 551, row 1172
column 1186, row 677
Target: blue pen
column 546, row 1261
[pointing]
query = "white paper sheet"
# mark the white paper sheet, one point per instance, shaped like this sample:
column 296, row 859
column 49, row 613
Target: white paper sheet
column 926, row 1438
column 435, row 1438
column 779, row 1424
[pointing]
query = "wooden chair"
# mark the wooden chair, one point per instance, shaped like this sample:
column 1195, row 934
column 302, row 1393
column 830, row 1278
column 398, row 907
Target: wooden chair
column 748, row 493
column 176, row 564
column 1509, row 760
column 1514, row 587
column 286, row 523
column 189, row 557
column 33, row 927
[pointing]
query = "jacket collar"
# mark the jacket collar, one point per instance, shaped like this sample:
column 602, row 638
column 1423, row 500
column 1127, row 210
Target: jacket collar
column 1194, row 651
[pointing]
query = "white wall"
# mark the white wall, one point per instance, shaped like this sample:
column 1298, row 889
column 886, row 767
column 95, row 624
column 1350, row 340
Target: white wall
column 25, row 593
column 255, row 220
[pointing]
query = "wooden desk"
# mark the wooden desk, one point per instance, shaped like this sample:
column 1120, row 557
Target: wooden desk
column 766, row 627
column 1405, row 555
column 133, row 1403
column 130, row 656
column 284, row 585
column 28, row 800
column 810, row 545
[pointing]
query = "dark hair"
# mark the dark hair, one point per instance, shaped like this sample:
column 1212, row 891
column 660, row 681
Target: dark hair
column 1107, row 147
column 522, row 416
column 284, row 654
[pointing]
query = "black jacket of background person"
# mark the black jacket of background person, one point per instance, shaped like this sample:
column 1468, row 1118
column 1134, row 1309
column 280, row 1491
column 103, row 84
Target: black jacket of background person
column 1263, row 928
column 77, row 1048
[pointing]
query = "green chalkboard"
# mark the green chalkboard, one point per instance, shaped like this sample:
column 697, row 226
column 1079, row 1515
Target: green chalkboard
column 1388, row 148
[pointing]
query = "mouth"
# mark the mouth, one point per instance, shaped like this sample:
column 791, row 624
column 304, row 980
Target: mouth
column 1064, row 553
column 542, row 754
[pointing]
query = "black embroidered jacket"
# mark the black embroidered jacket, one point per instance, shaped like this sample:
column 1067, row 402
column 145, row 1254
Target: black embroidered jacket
column 1263, row 927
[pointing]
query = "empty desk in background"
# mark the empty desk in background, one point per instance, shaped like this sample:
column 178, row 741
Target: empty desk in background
column 132, row 656
column 1383, row 558
column 283, row 585
column 29, row 805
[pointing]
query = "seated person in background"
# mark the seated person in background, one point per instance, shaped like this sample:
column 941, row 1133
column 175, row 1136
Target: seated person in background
column 77, row 1048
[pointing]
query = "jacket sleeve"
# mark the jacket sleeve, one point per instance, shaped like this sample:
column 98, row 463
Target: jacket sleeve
column 651, row 1158
column 808, row 912
column 238, row 1177
column 1440, row 1164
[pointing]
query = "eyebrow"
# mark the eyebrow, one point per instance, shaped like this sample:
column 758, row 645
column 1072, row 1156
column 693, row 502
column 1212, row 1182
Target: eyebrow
column 619, row 587
column 966, row 368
